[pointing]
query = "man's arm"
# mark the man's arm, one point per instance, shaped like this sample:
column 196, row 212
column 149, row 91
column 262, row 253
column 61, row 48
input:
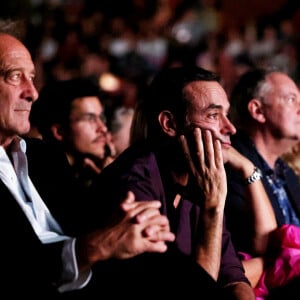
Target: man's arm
column 260, row 214
column 257, row 201
column 210, row 176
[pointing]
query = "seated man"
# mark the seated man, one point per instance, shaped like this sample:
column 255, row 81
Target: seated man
column 265, row 108
column 41, row 258
column 70, row 115
column 183, row 121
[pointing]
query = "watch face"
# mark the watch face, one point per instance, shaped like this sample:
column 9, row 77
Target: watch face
column 259, row 172
column 256, row 175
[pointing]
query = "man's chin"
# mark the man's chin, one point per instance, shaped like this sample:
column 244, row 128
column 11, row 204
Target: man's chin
column 25, row 130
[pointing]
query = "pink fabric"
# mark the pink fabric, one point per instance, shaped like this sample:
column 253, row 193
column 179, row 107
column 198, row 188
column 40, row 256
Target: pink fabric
column 286, row 264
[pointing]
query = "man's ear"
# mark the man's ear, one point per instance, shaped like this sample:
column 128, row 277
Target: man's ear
column 167, row 122
column 57, row 132
column 256, row 110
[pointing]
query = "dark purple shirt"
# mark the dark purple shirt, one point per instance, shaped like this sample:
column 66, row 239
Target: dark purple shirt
column 138, row 170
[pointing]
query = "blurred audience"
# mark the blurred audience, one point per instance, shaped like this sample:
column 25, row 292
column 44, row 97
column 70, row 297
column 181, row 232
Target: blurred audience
column 139, row 37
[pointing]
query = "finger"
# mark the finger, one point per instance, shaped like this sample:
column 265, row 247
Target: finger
column 218, row 154
column 140, row 207
column 129, row 198
column 159, row 247
column 200, row 148
column 91, row 165
column 154, row 234
column 209, row 148
column 159, row 221
column 148, row 214
column 187, row 154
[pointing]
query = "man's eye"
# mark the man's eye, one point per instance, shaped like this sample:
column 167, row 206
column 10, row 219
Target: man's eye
column 91, row 118
column 213, row 116
column 291, row 99
column 13, row 77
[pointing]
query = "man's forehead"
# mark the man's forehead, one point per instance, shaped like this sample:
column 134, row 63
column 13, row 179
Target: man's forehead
column 203, row 86
column 15, row 53
column 207, row 90
column 12, row 47
column 16, row 60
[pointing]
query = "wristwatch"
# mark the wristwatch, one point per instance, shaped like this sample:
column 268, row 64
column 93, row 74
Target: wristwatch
column 256, row 175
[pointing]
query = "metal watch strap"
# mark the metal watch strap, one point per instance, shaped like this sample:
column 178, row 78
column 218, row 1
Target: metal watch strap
column 255, row 176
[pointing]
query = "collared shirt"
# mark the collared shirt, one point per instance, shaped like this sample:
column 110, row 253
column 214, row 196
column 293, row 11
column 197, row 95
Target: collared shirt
column 276, row 180
column 43, row 223
column 143, row 172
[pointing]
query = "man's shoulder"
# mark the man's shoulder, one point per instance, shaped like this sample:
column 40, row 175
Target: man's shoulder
column 38, row 147
column 34, row 142
column 135, row 169
column 133, row 158
column 45, row 160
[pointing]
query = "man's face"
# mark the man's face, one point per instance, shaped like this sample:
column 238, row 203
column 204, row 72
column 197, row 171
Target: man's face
column 17, row 91
column 88, row 132
column 281, row 108
column 207, row 108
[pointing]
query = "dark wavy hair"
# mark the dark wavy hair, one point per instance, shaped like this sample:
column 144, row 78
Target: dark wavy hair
column 166, row 92
column 55, row 102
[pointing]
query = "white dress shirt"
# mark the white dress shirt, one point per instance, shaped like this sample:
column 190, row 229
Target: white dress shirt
column 43, row 223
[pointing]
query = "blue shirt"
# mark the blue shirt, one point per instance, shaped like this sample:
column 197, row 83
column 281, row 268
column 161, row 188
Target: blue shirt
column 277, row 181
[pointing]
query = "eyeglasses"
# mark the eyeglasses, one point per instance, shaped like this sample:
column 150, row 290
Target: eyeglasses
column 90, row 118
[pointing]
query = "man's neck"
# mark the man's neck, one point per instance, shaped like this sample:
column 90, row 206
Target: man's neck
column 271, row 149
column 6, row 141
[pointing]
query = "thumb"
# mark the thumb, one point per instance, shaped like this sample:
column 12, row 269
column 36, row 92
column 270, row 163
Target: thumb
column 128, row 202
column 130, row 198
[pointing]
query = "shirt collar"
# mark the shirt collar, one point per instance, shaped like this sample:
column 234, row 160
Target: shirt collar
column 18, row 144
column 279, row 170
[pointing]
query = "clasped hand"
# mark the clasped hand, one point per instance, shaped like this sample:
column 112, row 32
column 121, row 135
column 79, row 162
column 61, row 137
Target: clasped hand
column 141, row 229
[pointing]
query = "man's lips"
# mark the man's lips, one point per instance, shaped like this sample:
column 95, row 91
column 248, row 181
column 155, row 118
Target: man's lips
column 226, row 145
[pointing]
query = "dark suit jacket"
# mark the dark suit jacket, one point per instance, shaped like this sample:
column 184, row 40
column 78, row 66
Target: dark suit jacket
column 30, row 268
column 139, row 170
column 237, row 215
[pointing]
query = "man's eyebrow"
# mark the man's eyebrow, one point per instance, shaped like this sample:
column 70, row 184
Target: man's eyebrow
column 215, row 106
column 8, row 70
column 4, row 71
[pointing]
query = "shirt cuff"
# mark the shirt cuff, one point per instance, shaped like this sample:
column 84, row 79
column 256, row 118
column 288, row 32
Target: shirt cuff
column 72, row 279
